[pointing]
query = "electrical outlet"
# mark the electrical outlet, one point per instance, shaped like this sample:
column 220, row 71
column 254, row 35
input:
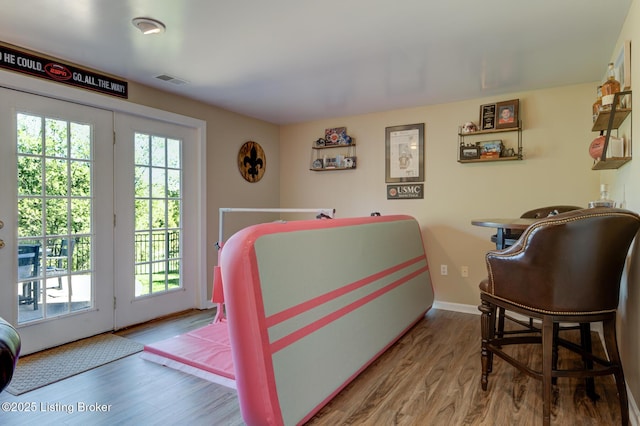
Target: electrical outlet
column 464, row 271
column 444, row 270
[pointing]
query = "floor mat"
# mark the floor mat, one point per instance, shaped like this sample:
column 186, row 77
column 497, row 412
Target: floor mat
column 52, row 365
column 206, row 349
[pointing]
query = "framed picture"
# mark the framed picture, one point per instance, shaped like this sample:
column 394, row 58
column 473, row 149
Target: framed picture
column 404, row 159
column 335, row 136
column 507, row 114
column 469, row 152
column 488, row 117
column 490, row 149
column 622, row 66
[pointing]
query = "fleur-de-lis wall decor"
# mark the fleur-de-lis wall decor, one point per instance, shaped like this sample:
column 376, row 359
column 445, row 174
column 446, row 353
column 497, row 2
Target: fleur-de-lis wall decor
column 252, row 162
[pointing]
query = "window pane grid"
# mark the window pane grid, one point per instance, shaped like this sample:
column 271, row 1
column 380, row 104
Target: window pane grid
column 54, row 215
column 157, row 189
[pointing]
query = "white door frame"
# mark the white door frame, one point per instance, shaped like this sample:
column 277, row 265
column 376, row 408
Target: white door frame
column 17, row 81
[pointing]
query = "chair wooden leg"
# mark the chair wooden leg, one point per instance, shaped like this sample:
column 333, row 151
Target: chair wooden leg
column 500, row 331
column 554, row 355
column 487, row 323
column 585, row 342
column 611, row 343
column 547, row 367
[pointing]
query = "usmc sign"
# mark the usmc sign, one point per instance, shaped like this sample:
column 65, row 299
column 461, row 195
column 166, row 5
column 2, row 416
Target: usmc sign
column 405, row 191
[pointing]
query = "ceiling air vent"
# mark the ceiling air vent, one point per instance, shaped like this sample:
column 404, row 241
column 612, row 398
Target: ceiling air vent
column 170, row 79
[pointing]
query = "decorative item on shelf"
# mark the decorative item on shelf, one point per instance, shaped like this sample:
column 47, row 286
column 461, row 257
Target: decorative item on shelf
column 610, row 88
column 349, row 162
column 488, row 117
column 469, row 127
column 596, row 147
column 623, row 67
column 469, row 152
column 330, row 162
column 321, row 142
column 597, row 105
column 507, row 113
column 614, row 149
column 337, row 136
column 490, row 149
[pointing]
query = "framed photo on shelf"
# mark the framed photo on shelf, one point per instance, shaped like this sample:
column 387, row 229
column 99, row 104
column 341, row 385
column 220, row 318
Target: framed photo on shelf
column 490, row 149
column 335, row 136
column 487, row 117
column 622, row 66
column 507, row 114
column 404, row 156
column 469, row 152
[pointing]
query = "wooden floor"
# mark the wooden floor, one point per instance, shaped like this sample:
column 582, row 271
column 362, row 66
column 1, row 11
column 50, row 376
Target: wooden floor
column 429, row 377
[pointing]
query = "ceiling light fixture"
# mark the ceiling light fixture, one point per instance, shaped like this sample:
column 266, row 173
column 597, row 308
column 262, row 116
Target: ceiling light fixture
column 148, row 26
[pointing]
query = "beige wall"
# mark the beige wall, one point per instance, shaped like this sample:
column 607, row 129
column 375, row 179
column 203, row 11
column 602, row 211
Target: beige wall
column 556, row 170
column 625, row 180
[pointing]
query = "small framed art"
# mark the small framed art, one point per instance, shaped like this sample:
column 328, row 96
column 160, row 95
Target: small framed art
column 490, row 149
column 507, row 114
column 469, row 152
column 488, row 117
column 405, row 153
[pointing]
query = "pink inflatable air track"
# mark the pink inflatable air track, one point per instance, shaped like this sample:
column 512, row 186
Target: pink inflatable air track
column 310, row 304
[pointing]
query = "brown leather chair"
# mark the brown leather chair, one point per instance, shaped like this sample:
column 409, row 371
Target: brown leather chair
column 9, row 352
column 564, row 269
column 511, row 238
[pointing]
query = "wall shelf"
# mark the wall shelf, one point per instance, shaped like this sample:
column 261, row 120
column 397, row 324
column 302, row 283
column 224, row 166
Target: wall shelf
column 517, row 150
column 607, row 121
column 329, row 158
column 611, row 163
column 602, row 121
column 485, row 160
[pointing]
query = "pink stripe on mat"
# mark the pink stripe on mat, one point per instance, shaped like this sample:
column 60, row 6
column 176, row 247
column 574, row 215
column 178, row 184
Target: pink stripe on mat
column 322, row 299
column 316, row 325
column 207, row 348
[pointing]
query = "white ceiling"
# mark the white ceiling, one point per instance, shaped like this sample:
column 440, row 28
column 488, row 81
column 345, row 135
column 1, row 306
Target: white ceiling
column 287, row 61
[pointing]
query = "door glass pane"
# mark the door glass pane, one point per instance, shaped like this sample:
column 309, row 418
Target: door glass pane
column 54, row 217
column 157, row 189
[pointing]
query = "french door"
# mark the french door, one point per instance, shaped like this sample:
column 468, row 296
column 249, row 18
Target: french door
column 97, row 232
column 56, row 184
column 156, row 208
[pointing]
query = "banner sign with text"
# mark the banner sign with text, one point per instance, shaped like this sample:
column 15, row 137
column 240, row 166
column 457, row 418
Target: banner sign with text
column 48, row 69
column 405, row 191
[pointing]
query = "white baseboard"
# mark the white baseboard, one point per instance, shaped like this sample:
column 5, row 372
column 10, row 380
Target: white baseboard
column 634, row 412
column 456, row 307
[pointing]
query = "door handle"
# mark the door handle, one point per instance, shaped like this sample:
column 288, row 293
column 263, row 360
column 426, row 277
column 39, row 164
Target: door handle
column 1, row 244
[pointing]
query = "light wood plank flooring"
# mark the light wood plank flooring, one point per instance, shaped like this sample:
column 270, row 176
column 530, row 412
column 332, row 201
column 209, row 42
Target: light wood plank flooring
column 431, row 376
